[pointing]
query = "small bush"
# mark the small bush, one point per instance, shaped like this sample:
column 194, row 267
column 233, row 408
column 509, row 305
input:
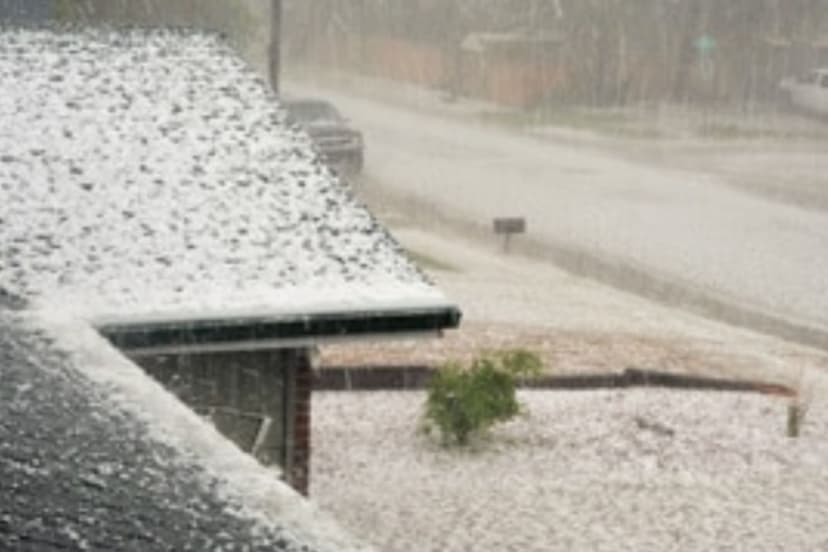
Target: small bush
column 463, row 401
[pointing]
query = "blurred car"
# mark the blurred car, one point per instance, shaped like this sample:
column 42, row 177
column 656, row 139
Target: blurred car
column 341, row 145
column 809, row 91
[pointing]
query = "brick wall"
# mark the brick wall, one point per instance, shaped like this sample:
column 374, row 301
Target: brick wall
column 517, row 81
column 260, row 400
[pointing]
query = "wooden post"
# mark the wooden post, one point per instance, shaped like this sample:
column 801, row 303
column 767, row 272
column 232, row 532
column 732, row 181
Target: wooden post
column 274, row 53
column 794, row 418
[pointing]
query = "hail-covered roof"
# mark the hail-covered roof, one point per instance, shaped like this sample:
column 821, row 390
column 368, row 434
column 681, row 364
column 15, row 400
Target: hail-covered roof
column 96, row 456
column 149, row 175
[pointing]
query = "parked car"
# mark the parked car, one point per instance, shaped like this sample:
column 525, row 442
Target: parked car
column 341, row 145
column 809, row 92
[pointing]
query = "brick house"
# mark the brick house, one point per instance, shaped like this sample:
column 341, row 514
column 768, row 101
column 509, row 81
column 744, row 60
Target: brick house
column 151, row 189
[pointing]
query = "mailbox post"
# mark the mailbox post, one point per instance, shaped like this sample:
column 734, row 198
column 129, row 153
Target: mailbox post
column 508, row 227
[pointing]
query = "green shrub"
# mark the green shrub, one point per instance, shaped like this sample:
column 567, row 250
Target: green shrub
column 463, row 401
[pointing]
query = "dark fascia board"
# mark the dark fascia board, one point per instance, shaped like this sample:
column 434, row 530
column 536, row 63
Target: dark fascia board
column 315, row 327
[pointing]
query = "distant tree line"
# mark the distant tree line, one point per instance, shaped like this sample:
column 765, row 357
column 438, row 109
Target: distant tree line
column 615, row 51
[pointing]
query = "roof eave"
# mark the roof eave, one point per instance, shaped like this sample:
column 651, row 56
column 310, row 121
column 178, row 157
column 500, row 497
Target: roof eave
column 279, row 332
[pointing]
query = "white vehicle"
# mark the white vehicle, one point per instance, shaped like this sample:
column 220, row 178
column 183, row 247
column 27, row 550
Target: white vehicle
column 809, row 91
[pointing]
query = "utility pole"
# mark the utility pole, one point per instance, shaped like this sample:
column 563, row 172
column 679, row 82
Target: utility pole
column 274, row 52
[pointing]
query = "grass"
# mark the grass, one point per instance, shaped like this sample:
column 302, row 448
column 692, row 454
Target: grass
column 735, row 131
column 430, row 263
column 645, row 124
column 603, row 121
column 574, row 117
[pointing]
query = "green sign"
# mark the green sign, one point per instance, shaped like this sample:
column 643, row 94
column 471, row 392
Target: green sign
column 705, row 44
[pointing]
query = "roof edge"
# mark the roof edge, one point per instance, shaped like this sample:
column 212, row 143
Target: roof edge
column 287, row 331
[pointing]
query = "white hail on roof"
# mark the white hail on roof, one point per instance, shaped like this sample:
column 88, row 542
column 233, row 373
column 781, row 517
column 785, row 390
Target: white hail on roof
column 150, row 174
column 250, row 489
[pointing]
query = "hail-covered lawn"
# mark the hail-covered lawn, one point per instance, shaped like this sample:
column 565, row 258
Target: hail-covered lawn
column 638, row 470
column 626, row 470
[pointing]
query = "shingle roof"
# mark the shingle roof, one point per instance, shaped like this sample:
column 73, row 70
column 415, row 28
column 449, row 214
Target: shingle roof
column 80, row 470
column 149, row 175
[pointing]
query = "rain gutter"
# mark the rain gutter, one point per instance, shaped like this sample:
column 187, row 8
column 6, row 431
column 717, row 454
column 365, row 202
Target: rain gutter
column 281, row 332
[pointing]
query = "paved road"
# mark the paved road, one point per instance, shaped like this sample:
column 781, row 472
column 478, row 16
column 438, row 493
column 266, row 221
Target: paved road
column 678, row 235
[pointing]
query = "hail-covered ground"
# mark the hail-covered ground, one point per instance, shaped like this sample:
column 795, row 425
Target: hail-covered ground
column 150, row 174
column 592, row 471
column 642, row 470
